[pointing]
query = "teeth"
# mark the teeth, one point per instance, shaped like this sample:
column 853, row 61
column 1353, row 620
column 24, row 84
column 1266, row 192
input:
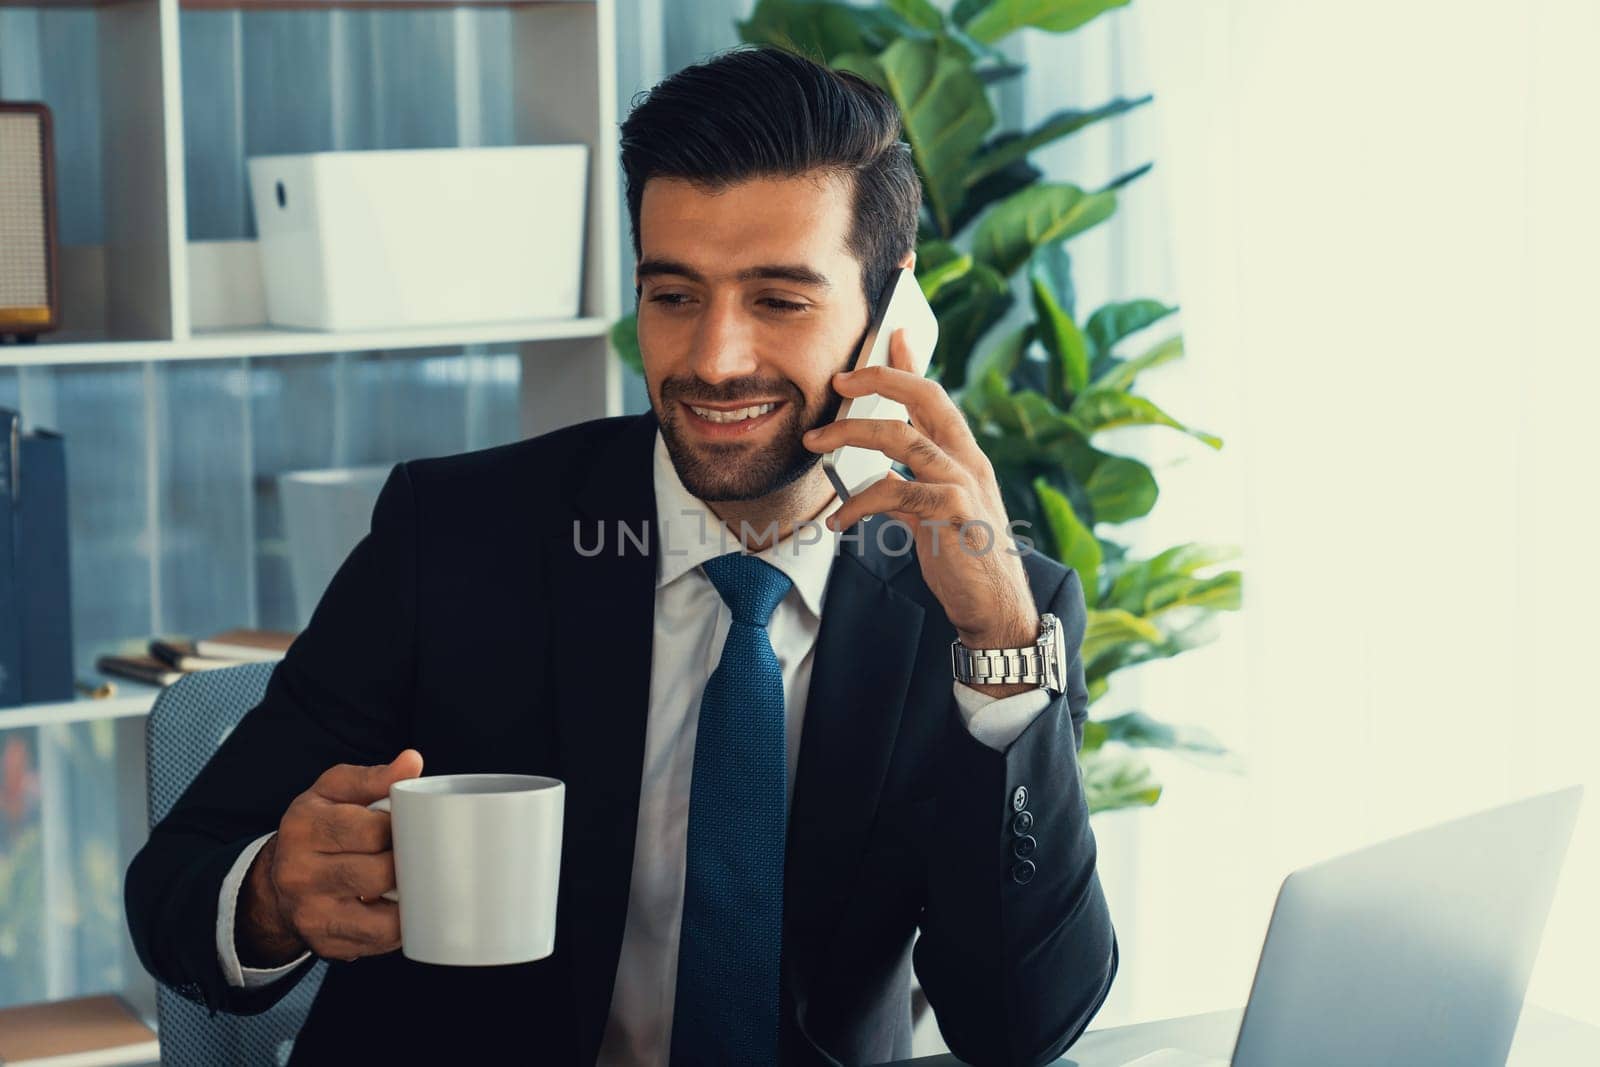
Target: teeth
column 737, row 415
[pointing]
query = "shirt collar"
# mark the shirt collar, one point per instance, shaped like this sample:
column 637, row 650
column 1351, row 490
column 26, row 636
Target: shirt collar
column 681, row 517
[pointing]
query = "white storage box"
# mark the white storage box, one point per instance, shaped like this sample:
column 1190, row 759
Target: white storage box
column 424, row 237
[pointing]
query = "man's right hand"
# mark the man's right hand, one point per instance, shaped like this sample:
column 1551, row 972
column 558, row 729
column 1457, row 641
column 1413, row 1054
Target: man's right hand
column 318, row 884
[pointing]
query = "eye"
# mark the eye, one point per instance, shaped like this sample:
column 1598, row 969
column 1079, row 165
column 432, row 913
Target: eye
column 669, row 299
column 785, row 306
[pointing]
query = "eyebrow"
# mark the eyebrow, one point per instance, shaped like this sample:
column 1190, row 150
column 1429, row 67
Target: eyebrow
column 792, row 272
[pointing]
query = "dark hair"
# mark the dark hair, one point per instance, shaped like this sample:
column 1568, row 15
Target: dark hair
column 762, row 111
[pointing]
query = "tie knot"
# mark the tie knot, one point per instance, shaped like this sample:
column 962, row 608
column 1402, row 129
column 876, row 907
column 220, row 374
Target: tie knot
column 750, row 587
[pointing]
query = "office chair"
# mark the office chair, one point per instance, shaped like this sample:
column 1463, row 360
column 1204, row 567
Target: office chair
column 186, row 725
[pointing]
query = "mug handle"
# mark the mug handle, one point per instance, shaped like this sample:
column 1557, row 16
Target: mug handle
column 382, row 804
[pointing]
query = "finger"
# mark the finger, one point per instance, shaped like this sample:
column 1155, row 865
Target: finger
column 926, row 402
column 898, row 440
column 353, row 930
column 916, row 500
column 349, row 828
column 900, row 351
column 352, row 784
column 353, row 876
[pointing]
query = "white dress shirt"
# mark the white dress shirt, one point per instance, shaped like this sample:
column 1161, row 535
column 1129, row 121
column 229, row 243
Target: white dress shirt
column 691, row 624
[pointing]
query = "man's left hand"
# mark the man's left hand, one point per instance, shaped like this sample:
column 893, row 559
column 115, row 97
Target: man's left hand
column 953, row 507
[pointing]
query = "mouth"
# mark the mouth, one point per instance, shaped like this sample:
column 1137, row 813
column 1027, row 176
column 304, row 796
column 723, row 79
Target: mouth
column 724, row 423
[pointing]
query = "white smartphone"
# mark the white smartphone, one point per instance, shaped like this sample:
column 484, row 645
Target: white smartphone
column 850, row 468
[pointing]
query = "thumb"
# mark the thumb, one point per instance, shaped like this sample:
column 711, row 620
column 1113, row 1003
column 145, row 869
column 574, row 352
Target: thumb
column 351, row 784
column 406, row 765
column 900, row 350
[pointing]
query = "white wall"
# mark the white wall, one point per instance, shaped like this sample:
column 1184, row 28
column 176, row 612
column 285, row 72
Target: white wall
column 1383, row 222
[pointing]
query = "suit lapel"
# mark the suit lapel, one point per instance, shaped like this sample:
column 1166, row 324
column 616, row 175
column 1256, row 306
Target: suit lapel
column 604, row 608
column 866, row 648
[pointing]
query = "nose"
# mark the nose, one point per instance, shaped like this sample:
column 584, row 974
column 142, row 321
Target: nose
column 723, row 348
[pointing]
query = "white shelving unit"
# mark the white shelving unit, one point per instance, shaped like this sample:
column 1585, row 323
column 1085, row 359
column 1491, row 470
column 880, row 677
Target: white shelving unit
column 129, row 302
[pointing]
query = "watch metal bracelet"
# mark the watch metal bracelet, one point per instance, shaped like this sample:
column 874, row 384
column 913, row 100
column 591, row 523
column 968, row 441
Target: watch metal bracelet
column 990, row 666
column 1042, row 664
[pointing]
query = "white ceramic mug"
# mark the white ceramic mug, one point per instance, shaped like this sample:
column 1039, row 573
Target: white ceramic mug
column 477, row 860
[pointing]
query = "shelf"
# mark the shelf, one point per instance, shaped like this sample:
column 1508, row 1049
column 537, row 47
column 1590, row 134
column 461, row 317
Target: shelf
column 136, row 702
column 266, row 341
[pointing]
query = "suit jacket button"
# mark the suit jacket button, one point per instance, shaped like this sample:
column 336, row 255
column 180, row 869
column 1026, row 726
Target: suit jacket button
column 1022, row 873
column 1019, row 799
column 1024, row 846
column 1022, row 822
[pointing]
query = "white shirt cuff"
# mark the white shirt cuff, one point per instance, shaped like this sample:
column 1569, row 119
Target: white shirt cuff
column 238, row 975
column 996, row 722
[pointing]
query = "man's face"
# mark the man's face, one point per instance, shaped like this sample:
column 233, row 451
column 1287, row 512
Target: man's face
column 749, row 299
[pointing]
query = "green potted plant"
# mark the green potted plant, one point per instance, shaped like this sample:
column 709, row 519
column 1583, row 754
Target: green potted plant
column 1037, row 396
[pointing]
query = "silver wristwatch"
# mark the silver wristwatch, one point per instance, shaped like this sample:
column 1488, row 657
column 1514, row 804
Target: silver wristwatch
column 1043, row 663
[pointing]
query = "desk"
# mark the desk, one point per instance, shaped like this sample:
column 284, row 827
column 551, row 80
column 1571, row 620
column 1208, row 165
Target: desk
column 1544, row 1039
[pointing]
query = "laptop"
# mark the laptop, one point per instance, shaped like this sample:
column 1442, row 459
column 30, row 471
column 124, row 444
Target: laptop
column 1416, row 951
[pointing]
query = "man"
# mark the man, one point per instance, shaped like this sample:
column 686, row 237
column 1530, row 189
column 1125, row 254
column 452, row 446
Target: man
column 773, row 783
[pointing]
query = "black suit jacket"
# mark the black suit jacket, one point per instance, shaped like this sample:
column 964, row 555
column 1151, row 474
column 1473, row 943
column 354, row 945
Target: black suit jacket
column 466, row 625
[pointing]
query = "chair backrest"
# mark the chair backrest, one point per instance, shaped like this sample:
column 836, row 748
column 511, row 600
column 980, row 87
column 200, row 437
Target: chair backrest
column 189, row 721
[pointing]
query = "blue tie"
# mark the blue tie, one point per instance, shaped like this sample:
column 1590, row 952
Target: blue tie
column 726, row 1010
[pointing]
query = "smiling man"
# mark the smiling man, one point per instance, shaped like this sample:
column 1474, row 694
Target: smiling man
column 798, row 768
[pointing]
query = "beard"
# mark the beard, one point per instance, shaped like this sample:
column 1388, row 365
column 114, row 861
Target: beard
column 733, row 470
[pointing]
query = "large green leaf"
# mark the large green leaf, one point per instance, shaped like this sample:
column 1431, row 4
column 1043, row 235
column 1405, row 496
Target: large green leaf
column 1053, row 266
column 864, row 65
column 822, row 29
column 933, row 254
column 625, row 341
column 1011, row 449
column 1002, row 183
column 1104, row 409
column 988, row 400
column 1113, row 322
column 1021, row 431
column 1137, row 583
column 1040, row 214
column 967, row 307
column 1002, row 356
column 1121, row 489
column 1122, row 655
column 1009, row 147
column 1116, row 778
column 938, row 264
column 1110, row 628
column 1075, row 545
column 1000, row 18
column 946, row 114
column 1119, row 374
column 1050, row 278
column 919, row 13
column 1220, row 592
column 1042, row 420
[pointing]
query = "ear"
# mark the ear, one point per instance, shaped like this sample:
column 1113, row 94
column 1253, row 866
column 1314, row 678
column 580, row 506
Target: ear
column 910, row 262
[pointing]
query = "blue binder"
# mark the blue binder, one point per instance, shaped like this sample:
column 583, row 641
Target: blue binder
column 44, row 576
column 10, row 600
